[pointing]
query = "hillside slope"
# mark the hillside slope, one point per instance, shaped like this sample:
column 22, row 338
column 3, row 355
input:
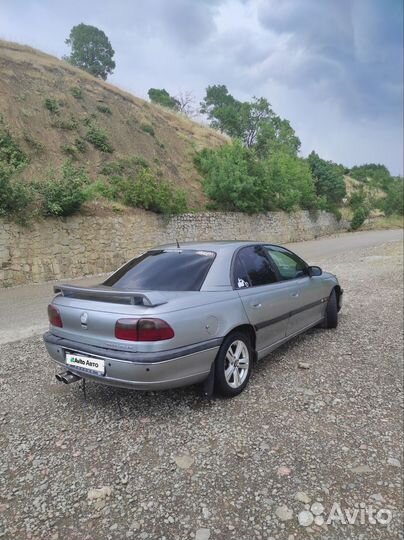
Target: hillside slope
column 50, row 105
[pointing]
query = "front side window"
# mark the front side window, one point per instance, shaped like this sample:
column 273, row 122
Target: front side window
column 289, row 265
column 252, row 268
column 164, row 270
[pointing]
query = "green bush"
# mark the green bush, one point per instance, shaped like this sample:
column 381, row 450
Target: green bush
column 65, row 123
column 99, row 139
column 52, row 105
column 11, row 154
column 63, row 193
column 33, row 143
column 15, row 196
column 80, row 144
column 333, row 209
column 76, row 92
column 127, row 166
column 88, row 120
column 162, row 97
column 377, row 174
column 358, row 218
column 70, row 150
column 234, row 178
column 104, row 109
column 394, row 201
column 147, row 128
column 357, row 200
column 141, row 190
column 290, row 185
column 157, row 196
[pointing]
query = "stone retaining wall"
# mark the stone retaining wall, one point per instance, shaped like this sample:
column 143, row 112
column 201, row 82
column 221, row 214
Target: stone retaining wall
column 83, row 245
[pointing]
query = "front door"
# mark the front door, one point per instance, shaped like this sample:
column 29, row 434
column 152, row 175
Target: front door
column 307, row 292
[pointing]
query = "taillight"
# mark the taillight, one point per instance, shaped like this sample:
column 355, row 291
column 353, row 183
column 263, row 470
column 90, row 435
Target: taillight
column 154, row 330
column 54, row 316
column 143, row 330
column 126, row 329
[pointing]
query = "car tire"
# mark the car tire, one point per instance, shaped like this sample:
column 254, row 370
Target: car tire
column 233, row 364
column 331, row 312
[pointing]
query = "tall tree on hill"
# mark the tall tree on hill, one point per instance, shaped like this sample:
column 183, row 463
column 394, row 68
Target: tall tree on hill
column 253, row 122
column 91, row 50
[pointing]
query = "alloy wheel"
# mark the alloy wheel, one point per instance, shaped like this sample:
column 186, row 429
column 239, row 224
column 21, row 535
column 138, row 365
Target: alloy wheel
column 237, row 364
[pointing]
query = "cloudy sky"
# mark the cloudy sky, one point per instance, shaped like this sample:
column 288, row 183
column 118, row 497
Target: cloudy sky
column 334, row 68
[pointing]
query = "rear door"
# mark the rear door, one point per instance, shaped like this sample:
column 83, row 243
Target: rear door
column 306, row 292
column 265, row 299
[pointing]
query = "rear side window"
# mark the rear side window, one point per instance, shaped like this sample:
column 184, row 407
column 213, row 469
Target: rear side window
column 252, row 268
column 165, row 270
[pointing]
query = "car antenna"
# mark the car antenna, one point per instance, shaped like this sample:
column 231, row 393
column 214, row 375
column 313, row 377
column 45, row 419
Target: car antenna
column 178, row 244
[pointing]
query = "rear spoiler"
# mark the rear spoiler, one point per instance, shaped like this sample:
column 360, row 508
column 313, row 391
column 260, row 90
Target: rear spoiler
column 102, row 293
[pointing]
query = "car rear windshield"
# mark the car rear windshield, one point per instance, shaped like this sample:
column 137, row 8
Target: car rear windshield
column 164, row 270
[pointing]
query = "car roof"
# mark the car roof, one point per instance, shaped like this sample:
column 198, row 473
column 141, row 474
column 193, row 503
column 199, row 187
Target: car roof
column 214, row 245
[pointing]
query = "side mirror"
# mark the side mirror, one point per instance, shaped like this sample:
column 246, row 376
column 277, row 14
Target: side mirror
column 314, row 271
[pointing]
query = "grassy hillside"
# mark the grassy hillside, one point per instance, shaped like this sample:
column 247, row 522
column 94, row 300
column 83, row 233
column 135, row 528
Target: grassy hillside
column 55, row 111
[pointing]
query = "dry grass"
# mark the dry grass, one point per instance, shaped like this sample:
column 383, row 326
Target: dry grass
column 383, row 222
column 30, row 76
column 353, row 185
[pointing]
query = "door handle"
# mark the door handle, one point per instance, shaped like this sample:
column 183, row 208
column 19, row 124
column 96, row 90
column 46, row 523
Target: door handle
column 294, row 294
column 257, row 306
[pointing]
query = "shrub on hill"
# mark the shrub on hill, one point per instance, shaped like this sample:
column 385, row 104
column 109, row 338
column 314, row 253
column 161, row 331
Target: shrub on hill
column 373, row 172
column 99, row 139
column 52, row 105
column 237, row 180
column 132, row 182
column 15, row 196
column 234, row 178
column 63, row 192
column 11, row 154
column 359, row 218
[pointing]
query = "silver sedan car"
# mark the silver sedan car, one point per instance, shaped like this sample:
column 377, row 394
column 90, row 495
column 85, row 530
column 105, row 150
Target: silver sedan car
column 195, row 313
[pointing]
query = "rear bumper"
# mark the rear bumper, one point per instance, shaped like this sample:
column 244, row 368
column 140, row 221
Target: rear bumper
column 149, row 371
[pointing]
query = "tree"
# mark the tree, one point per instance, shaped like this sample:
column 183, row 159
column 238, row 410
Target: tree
column 224, row 111
column 234, row 178
column 91, row 50
column 254, row 122
column 289, row 183
column 254, row 116
column 359, row 217
column 374, row 173
column 163, row 98
column 394, row 201
column 328, row 180
column 275, row 136
column 186, row 104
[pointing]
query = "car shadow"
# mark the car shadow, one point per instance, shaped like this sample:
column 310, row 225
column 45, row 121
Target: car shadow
column 122, row 402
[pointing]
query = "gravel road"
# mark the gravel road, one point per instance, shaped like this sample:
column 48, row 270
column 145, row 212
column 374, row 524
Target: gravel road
column 300, row 446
